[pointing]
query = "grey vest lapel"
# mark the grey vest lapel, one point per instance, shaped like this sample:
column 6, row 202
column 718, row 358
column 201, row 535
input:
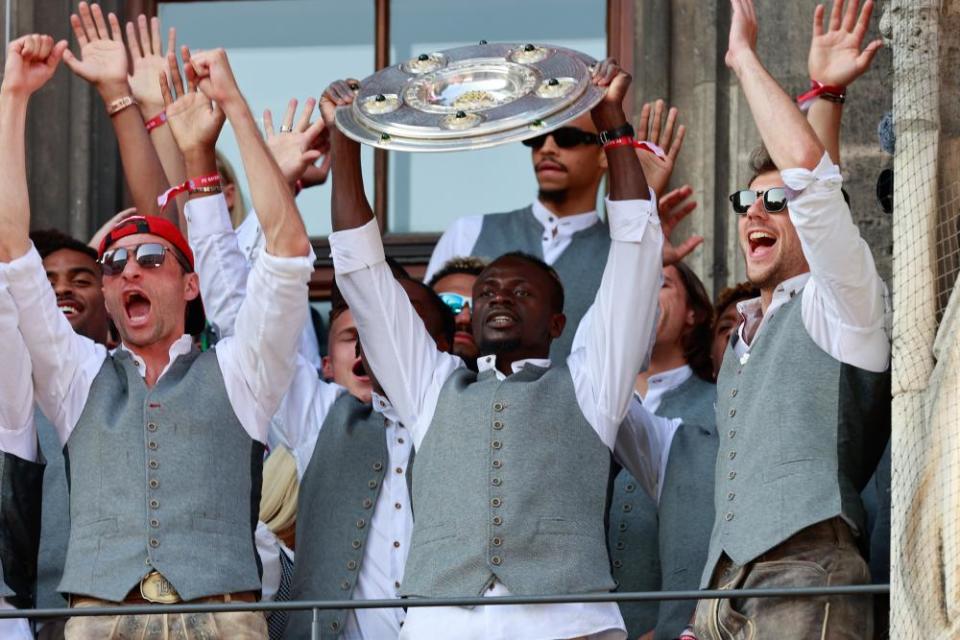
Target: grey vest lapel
column 800, row 435
column 338, row 494
column 580, row 267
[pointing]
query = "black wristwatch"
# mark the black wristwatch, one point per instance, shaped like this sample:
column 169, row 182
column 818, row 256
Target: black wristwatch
column 623, row 130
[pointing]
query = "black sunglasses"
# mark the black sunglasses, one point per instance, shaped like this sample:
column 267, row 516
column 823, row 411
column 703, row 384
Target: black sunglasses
column 149, row 255
column 564, row 137
column 774, row 200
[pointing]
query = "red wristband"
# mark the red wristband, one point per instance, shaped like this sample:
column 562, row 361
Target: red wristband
column 212, row 180
column 817, row 89
column 622, row 141
column 156, row 121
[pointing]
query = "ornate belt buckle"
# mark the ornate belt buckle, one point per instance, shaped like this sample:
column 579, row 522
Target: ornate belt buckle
column 157, row 589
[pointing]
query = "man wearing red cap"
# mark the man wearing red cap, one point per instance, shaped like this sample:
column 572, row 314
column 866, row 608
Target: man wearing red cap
column 152, row 520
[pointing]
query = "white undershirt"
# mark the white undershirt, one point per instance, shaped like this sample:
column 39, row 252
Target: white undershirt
column 462, row 234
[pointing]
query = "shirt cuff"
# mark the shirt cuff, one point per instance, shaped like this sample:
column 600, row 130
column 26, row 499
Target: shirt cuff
column 356, row 249
column 824, row 177
column 293, row 268
column 207, row 216
column 629, row 219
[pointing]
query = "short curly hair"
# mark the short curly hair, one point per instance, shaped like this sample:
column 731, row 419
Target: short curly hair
column 468, row 265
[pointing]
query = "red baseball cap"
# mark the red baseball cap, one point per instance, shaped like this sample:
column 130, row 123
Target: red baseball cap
column 163, row 228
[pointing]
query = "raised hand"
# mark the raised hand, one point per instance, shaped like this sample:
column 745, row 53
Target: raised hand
column 835, row 56
column 146, row 52
column 215, row 77
column 31, row 62
column 667, row 136
column 339, row 94
column 743, row 31
column 194, row 120
column 608, row 113
column 294, row 148
column 103, row 58
column 673, row 208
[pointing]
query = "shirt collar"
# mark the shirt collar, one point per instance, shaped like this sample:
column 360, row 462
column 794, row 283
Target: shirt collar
column 181, row 346
column 565, row 225
column 382, row 406
column 670, row 379
column 486, row 363
column 785, row 290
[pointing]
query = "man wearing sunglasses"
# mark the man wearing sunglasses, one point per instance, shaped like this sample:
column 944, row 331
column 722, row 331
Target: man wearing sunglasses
column 561, row 226
column 803, row 393
column 151, row 519
column 454, row 284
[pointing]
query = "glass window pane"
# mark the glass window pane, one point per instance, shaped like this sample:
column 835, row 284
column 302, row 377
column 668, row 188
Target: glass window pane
column 282, row 49
column 428, row 190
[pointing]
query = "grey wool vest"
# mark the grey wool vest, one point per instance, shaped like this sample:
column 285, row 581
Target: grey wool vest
column 686, row 501
column 338, row 493
column 580, row 266
column 21, row 485
column 162, row 478
column 800, row 435
column 55, row 523
column 510, row 484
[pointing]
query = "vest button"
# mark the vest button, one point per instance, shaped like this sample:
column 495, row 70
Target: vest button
column 378, row 466
column 498, row 406
column 497, row 542
column 732, row 475
column 361, row 523
column 497, row 560
column 497, row 464
column 496, row 444
column 154, row 504
column 733, row 412
column 154, row 543
column 355, row 544
column 367, row 503
column 733, row 454
column 154, row 483
column 153, row 464
column 154, row 523
column 629, row 488
column 621, row 546
column 497, row 425
column 729, row 516
column 497, row 520
column 496, row 502
column 372, row 484
column 627, row 507
column 622, row 526
column 732, row 433
column 152, row 445
column 496, row 482
column 352, row 565
column 334, row 626
column 733, row 392
column 345, row 585
column 731, row 495
column 617, row 564
column 151, row 426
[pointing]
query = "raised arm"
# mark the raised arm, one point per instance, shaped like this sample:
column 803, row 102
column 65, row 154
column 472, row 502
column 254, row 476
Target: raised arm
column 18, row 433
column 836, row 60
column 103, row 63
column 58, row 357
column 148, row 62
column 402, row 354
column 787, row 135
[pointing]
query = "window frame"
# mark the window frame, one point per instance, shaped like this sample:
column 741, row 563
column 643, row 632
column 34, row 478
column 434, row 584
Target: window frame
column 413, row 249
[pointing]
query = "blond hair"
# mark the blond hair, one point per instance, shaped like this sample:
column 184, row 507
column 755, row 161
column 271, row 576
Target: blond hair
column 278, row 500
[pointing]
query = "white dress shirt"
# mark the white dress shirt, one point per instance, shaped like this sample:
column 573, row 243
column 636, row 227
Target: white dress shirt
column 845, row 303
column 222, row 267
column 256, row 363
column 603, row 373
column 461, row 236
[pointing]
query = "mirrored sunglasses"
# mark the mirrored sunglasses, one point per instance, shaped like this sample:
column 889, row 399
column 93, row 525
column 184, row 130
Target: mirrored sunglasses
column 564, row 137
column 774, row 200
column 456, row 302
column 149, row 255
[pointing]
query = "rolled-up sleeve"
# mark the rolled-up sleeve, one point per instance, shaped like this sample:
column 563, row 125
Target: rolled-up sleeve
column 845, row 301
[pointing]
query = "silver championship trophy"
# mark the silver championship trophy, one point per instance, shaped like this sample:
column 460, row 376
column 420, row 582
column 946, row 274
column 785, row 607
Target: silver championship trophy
column 471, row 97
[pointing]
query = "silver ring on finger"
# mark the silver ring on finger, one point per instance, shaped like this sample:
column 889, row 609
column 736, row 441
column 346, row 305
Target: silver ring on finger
column 284, row 129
